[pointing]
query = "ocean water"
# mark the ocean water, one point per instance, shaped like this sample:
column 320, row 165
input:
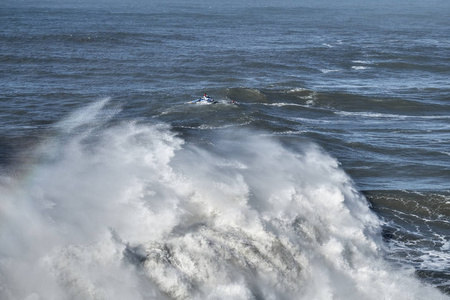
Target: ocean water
column 322, row 172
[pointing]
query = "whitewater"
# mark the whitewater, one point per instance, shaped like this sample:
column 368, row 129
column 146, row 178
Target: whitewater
column 130, row 209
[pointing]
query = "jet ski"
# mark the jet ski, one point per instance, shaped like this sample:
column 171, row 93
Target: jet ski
column 203, row 100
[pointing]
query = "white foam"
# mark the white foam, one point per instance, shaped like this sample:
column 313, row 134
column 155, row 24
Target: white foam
column 359, row 67
column 383, row 115
column 134, row 212
column 325, row 71
column 364, row 62
column 281, row 104
column 312, row 120
column 371, row 115
column 296, row 90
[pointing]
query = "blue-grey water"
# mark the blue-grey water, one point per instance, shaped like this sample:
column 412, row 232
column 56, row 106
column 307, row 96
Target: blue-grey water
column 322, row 172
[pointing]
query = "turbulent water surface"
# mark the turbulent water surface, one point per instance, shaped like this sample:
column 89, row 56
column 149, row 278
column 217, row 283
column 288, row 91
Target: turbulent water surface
column 322, row 172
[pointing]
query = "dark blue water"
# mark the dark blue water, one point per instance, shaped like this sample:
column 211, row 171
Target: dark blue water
column 322, row 172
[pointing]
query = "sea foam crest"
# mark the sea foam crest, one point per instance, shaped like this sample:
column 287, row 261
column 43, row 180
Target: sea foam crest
column 133, row 211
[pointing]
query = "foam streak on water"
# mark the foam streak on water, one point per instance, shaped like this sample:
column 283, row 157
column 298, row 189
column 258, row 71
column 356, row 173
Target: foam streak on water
column 133, row 211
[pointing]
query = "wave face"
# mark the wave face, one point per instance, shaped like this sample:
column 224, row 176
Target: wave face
column 133, row 211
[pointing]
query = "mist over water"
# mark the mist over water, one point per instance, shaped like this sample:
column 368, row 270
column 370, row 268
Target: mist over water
column 133, row 211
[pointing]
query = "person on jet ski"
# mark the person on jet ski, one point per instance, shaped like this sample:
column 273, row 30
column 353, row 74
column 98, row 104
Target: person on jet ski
column 206, row 98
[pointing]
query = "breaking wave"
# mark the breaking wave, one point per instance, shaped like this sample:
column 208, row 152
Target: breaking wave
column 134, row 211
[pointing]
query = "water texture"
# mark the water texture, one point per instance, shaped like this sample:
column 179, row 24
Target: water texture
column 322, row 172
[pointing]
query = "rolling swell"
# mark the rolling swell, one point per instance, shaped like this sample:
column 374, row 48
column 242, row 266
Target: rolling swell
column 132, row 210
column 358, row 129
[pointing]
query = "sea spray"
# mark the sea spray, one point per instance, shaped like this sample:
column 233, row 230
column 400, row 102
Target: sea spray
column 133, row 211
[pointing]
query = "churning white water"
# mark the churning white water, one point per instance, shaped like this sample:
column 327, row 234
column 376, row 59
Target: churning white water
column 133, row 211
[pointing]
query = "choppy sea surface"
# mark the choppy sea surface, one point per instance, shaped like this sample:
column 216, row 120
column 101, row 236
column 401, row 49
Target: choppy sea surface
column 322, row 172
